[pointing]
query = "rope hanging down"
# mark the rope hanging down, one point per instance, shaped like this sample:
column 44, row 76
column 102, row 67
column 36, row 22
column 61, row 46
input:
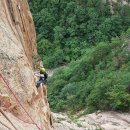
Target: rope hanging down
column 5, row 125
column 19, row 101
column 8, row 119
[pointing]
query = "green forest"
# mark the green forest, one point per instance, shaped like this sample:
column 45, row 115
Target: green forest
column 91, row 38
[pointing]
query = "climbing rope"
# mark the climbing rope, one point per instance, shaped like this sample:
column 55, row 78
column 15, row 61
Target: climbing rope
column 6, row 108
column 5, row 125
column 19, row 101
column 8, row 119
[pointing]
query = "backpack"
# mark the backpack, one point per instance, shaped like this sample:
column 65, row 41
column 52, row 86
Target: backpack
column 45, row 76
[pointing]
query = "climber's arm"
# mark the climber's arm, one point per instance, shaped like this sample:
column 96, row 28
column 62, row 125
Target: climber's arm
column 37, row 74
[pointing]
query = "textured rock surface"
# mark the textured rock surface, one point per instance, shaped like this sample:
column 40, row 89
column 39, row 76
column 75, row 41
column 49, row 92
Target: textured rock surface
column 103, row 121
column 17, row 48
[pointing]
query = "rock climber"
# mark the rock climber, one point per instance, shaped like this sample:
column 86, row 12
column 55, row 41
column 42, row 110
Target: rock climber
column 42, row 76
column 41, row 89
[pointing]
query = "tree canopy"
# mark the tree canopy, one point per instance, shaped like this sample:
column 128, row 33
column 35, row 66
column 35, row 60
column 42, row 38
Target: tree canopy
column 93, row 40
column 66, row 27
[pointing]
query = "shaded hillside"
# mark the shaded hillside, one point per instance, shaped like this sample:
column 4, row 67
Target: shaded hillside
column 97, row 81
column 88, row 34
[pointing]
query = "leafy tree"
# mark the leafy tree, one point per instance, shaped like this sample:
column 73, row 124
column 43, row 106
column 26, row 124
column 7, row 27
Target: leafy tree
column 86, row 34
column 73, row 25
column 96, row 81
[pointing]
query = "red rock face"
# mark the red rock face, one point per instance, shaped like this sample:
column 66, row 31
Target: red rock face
column 21, row 23
column 17, row 85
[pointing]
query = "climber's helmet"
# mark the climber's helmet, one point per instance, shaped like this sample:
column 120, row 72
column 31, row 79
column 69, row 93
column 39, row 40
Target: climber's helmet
column 42, row 70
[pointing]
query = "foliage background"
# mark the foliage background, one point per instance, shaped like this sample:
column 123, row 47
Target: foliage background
column 94, row 43
column 65, row 28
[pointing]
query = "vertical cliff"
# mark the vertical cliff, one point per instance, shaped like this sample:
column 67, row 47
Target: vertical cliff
column 17, row 86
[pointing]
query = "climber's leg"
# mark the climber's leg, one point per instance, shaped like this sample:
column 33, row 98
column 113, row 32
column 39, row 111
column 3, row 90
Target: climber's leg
column 37, row 95
column 39, row 82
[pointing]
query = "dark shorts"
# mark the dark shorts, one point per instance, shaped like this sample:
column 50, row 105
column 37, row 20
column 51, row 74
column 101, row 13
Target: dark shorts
column 39, row 83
